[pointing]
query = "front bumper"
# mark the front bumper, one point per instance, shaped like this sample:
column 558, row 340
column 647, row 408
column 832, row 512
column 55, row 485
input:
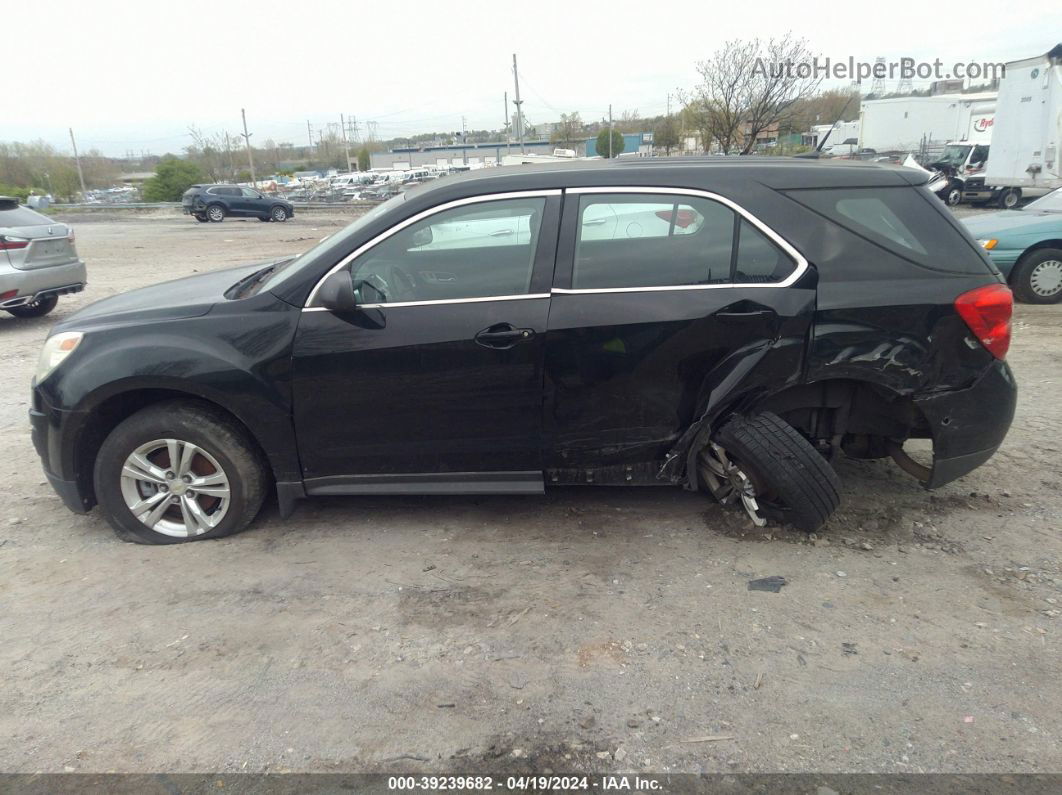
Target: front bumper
column 52, row 432
column 969, row 425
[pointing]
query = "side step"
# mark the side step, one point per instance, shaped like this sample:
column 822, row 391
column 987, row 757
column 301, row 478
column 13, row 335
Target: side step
column 429, row 483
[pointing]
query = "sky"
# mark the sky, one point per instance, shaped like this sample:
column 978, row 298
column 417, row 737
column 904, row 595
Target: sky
column 135, row 76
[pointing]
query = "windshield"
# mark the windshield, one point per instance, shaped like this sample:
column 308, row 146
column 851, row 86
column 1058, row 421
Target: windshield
column 1051, row 203
column 954, row 155
column 288, row 269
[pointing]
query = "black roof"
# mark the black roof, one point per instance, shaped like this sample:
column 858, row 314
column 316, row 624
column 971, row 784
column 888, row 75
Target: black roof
column 783, row 173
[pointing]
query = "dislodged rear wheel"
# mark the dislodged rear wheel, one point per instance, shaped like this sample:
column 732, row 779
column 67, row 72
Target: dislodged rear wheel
column 774, row 471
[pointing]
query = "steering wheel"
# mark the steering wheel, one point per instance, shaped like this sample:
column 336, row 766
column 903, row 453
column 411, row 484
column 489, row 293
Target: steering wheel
column 392, row 283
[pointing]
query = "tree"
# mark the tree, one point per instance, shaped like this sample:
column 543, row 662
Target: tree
column 748, row 87
column 602, row 143
column 173, row 177
column 666, row 134
column 568, row 131
column 364, row 159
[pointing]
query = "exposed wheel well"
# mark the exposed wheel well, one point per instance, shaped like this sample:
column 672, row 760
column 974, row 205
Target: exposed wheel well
column 856, row 416
column 105, row 417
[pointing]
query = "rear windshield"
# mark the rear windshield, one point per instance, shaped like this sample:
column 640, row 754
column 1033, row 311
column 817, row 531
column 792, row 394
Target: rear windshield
column 902, row 220
column 22, row 216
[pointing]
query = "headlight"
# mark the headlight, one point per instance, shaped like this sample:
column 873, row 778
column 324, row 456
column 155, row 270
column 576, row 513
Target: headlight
column 988, row 244
column 56, row 348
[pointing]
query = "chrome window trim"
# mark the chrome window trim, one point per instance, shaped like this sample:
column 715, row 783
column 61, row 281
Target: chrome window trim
column 487, row 197
column 798, row 258
column 478, row 300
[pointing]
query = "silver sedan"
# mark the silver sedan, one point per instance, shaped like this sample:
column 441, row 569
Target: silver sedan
column 38, row 261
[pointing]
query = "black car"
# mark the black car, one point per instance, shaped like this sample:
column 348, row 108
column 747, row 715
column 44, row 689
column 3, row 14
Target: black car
column 721, row 325
column 218, row 202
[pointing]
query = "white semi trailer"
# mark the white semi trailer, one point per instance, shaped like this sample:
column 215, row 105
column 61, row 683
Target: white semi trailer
column 1024, row 162
column 904, row 124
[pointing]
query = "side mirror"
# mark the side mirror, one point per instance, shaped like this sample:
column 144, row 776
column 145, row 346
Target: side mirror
column 337, row 292
column 423, row 237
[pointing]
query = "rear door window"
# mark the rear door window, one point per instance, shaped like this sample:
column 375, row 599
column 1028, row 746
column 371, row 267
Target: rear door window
column 652, row 240
column 759, row 259
column 901, row 220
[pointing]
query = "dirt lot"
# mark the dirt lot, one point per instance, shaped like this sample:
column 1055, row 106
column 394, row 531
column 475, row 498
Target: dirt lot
column 583, row 630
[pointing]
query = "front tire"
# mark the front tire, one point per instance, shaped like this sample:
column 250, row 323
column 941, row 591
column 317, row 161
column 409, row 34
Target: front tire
column 215, row 213
column 1037, row 278
column 279, row 214
column 39, row 308
column 765, row 464
column 178, row 471
column 953, row 196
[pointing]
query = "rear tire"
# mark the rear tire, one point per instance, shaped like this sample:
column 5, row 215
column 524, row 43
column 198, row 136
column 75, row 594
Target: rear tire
column 1009, row 198
column 38, row 308
column 793, row 483
column 228, row 452
column 1037, row 278
column 215, row 213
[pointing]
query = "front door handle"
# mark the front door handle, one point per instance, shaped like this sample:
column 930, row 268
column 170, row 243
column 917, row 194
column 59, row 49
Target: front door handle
column 503, row 336
column 745, row 317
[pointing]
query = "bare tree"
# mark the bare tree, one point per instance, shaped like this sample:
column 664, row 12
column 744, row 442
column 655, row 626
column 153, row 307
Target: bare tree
column 568, row 131
column 782, row 78
column 746, row 88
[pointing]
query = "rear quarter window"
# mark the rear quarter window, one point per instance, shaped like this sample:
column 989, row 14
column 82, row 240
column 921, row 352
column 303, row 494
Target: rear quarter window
column 902, row 220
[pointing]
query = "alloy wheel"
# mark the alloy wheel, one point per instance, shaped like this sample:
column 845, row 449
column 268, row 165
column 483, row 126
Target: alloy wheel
column 215, row 214
column 729, row 482
column 279, row 214
column 175, row 488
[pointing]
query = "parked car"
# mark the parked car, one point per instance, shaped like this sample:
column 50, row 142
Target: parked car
column 776, row 313
column 218, row 202
column 38, row 261
column 1026, row 245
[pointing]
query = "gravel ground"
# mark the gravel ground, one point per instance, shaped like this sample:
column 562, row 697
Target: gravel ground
column 591, row 630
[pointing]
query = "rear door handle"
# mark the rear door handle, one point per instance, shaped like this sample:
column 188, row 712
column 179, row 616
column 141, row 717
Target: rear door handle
column 503, row 335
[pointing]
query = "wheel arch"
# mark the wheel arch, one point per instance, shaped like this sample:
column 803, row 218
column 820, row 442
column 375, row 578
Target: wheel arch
column 861, row 416
column 1039, row 245
column 106, row 411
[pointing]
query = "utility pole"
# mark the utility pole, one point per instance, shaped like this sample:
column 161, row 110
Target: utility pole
column 77, row 159
column 464, row 142
column 309, row 134
column 508, row 137
column 247, row 140
column 346, row 141
column 610, row 131
column 519, row 107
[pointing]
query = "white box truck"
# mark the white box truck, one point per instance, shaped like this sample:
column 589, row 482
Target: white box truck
column 1027, row 135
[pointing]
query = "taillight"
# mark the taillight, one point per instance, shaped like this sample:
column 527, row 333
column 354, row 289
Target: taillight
column 987, row 312
column 12, row 243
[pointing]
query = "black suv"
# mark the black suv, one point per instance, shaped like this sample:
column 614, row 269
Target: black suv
column 218, row 202
column 728, row 326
